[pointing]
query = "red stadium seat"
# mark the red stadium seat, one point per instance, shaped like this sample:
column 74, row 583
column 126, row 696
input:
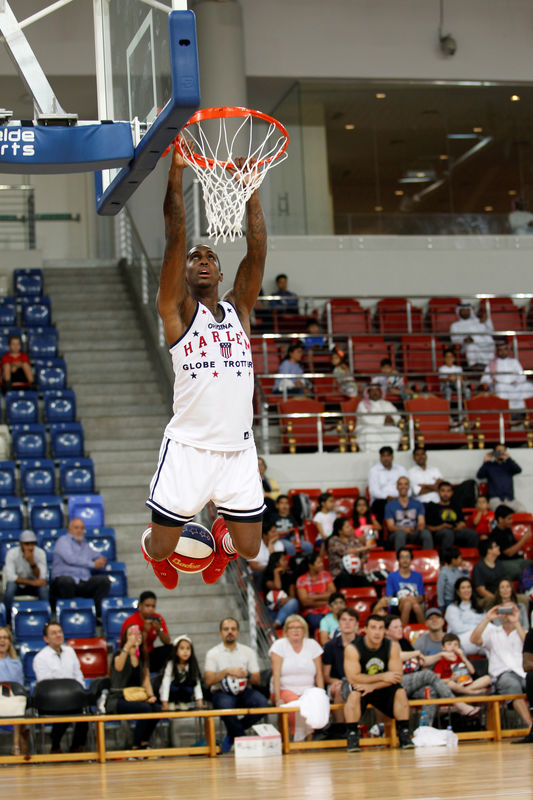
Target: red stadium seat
column 301, row 434
column 344, row 500
column 92, row 654
column 431, row 416
column 368, row 353
column 310, row 531
column 361, row 600
column 398, row 315
column 505, row 315
column 382, row 560
column 346, row 316
column 419, row 354
column 428, row 564
column 441, row 313
column 486, row 413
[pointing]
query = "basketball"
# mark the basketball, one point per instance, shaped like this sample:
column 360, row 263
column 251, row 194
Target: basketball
column 275, row 598
column 195, row 549
column 233, row 686
column 351, row 563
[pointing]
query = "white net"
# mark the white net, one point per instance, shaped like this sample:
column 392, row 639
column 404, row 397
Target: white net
column 231, row 156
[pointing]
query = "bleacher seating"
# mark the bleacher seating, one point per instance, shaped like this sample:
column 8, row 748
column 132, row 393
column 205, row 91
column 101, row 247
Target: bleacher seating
column 28, row 619
column 8, row 311
column 22, row 407
column 2, row 615
column 114, row 611
column 89, row 507
column 28, row 651
column 47, row 540
column 42, row 343
column 116, row 572
column 29, row 441
column 7, row 478
column 76, row 476
column 28, row 282
column 11, row 513
column 37, row 476
column 51, row 374
column 45, row 512
column 36, row 312
column 59, row 406
column 105, row 544
column 92, row 653
column 77, row 617
column 66, row 440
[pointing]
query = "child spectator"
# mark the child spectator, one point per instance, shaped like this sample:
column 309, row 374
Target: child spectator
column 325, row 516
column 341, row 543
column 286, row 525
column 291, row 368
column 181, row 681
column 456, row 670
column 481, row 519
column 365, row 523
column 346, row 383
column 15, row 366
column 453, row 568
column 278, row 578
column 406, row 585
column 391, row 382
column 330, row 623
column 451, row 376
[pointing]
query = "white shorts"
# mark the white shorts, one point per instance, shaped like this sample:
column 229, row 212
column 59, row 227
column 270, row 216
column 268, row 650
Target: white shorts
column 187, row 478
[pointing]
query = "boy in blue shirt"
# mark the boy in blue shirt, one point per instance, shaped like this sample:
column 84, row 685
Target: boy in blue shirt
column 407, row 586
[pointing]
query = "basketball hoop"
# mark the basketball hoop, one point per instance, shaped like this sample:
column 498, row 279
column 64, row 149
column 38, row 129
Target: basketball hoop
column 234, row 134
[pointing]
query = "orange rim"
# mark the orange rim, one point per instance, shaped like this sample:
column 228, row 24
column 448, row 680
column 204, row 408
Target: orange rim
column 226, row 112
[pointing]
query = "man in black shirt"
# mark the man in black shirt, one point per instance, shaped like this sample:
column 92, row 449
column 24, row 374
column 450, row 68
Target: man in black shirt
column 373, row 668
column 447, row 523
column 527, row 664
column 498, row 469
column 333, row 657
column 488, row 572
column 512, row 563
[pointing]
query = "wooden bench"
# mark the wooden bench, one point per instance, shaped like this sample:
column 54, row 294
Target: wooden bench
column 101, row 754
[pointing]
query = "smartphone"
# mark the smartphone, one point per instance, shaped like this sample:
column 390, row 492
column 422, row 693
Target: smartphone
column 135, row 629
column 505, row 610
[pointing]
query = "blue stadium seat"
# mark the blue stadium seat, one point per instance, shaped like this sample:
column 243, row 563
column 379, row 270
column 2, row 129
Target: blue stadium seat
column 2, row 615
column 77, row 617
column 51, row 374
column 8, row 311
column 116, row 572
column 22, row 407
column 105, row 545
column 36, row 312
column 45, row 512
column 59, row 406
column 47, row 540
column 114, row 611
column 11, row 514
column 89, row 507
column 66, row 440
column 7, row 478
column 29, row 441
column 28, row 282
column 5, row 545
column 28, row 651
column 28, row 618
column 76, row 475
column 41, row 345
column 37, row 476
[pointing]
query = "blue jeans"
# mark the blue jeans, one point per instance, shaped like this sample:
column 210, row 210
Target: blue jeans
column 13, row 588
column 290, row 548
column 250, row 698
column 279, row 616
column 313, row 620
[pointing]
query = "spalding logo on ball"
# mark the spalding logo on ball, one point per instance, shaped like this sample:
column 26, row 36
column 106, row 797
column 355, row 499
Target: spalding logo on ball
column 274, row 598
column 195, row 549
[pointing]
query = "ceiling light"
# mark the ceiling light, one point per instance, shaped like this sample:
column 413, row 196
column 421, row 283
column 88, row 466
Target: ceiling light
column 349, row 126
column 515, row 98
column 420, row 174
column 488, row 208
column 417, row 176
column 462, row 136
column 378, row 208
column 380, row 95
column 477, row 130
column 443, row 157
column 398, row 192
column 512, row 192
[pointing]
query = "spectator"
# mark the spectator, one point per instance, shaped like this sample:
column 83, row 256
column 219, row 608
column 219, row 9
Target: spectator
column 505, row 377
column 498, row 469
column 333, row 658
column 482, row 518
column 425, row 481
column 296, row 666
column 56, row 661
column 287, row 302
column 329, row 624
column 520, row 219
column 488, row 572
column 181, row 680
column 11, row 672
column 270, row 543
column 453, row 568
column 451, row 378
column 315, row 345
column 342, row 543
column 391, row 382
column 457, row 671
column 291, row 369
column 271, row 490
column 15, row 366
column 416, row 677
column 503, row 644
column 383, row 480
column 430, row 642
column 378, row 421
column 473, row 334
column 527, row 665
column 463, row 614
column 286, row 525
column 510, row 547
column 152, row 627
column 446, row 523
column 25, row 571
column 278, row 578
column 505, row 595
column 313, row 590
column 73, row 560
column 374, row 673
column 407, row 587
column 405, row 519
column 232, row 660
column 366, row 527
column 129, row 669
column 325, row 516
column 346, row 383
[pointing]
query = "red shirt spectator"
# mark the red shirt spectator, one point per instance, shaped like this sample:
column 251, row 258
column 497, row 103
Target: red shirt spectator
column 481, row 519
column 152, row 626
column 315, row 582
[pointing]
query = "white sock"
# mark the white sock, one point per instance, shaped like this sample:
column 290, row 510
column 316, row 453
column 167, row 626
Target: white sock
column 227, row 544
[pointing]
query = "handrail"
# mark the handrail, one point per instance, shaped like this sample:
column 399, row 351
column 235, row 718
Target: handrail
column 261, row 630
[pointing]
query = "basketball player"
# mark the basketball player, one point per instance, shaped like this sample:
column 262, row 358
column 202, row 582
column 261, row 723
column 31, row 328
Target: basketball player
column 208, row 451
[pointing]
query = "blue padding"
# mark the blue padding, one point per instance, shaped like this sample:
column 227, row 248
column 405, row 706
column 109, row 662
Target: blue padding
column 41, row 149
column 184, row 101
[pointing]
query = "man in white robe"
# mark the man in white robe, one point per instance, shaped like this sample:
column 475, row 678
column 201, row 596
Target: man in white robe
column 504, row 376
column 377, row 421
column 473, row 335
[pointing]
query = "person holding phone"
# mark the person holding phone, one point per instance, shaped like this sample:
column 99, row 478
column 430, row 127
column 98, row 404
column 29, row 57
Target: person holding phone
column 499, row 469
column 503, row 645
column 152, row 627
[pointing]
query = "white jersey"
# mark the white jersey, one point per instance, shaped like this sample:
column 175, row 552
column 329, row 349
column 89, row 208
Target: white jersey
column 214, row 383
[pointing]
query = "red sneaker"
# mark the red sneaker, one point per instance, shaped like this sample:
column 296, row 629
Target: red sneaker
column 212, row 573
column 163, row 570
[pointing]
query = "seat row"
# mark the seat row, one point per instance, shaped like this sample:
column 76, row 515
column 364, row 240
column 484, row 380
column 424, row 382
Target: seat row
column 102, row 539
column 31, row 311
column 38, row 476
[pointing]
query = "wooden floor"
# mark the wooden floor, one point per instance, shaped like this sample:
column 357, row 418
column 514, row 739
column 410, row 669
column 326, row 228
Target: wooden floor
column 473, row 771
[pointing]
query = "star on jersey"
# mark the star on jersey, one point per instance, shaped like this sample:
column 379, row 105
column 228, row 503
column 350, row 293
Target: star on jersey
column 215, row 374
column 195, row 333
column 239, row 373
column 193, row 374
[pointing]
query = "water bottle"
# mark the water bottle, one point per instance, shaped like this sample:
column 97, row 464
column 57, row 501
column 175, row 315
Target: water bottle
column 424, row 720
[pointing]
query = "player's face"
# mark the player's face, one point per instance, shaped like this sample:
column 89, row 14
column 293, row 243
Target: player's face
column 202, row 267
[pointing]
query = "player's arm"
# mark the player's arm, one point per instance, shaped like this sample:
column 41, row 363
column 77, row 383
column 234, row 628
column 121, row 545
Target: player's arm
column 173, row 295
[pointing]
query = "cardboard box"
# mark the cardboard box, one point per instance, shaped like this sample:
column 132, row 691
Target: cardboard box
column 265, row 742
